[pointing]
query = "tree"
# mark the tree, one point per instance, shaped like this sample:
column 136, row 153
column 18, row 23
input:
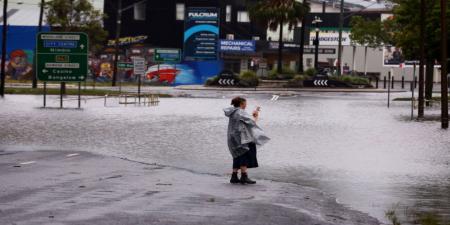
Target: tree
column 277, row 13
column 406, row 33
column 77, row 16
column 369, row 33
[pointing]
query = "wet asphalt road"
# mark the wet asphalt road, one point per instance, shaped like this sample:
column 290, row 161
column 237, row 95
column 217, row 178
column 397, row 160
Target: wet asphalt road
column 348, row 145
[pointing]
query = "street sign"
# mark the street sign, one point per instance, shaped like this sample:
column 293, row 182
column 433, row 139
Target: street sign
column 139, row 66
column 321, row 83
column 227, row 82
column 62, row 56
column 125, row 65
column 167, row 55
column 227, row 78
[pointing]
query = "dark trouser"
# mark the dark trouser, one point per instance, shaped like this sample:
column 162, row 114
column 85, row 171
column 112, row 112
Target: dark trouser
column 248, row 159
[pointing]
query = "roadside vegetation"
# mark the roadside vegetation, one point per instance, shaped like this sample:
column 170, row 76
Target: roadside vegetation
column 412, row 217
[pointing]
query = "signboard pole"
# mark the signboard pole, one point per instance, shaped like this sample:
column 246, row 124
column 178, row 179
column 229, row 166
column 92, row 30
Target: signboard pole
column 139, row 69
column 412, row 100
column 61, row 96
column 389, row 90
column 139, row 89
column 79, row 95
column 45, row 94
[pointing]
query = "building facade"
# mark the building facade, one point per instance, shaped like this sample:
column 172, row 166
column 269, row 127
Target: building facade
column 161, row 24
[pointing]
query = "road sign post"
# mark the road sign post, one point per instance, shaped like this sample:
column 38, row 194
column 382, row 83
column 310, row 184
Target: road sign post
column 139, row 70
column 62, row 57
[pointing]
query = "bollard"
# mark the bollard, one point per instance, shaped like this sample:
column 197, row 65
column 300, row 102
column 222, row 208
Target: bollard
column 106, row 96
column 384, row 85
column 376, row 82
column 393, row 80
column 403, row 82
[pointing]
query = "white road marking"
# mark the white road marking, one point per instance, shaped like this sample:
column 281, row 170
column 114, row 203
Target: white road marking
column 27, row 163
column 275, row 97
column 71, row 155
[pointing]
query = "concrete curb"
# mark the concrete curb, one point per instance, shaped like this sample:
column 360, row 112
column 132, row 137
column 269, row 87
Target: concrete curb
column 203, row 88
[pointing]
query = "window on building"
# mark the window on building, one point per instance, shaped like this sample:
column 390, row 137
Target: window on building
column 230, row 36
column 309, row 62
column 243, row 17
column 228, row 13
column 179, row 11
column 256, row 38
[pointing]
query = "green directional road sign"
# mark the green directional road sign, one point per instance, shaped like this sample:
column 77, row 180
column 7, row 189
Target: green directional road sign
column 167, row 55
column 62, row 56
column 125, row 65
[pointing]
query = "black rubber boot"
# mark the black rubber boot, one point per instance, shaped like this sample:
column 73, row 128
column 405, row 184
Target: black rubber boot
column 246, row 180
column 234, row 178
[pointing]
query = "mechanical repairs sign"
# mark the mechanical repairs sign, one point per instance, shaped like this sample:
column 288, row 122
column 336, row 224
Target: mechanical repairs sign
column 62, row 56
column 201, row 34
column 237, row 46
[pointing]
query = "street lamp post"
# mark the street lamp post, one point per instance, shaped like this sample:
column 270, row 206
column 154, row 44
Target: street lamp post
column 41, row 14
column 118, row 27
column 116, row 44
column 4, row 33
column 316, row 22
column 444, row 65
column 302, row 42
column 341, row 26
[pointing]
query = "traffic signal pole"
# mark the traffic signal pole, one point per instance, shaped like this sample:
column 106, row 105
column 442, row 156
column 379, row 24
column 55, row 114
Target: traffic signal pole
column 4, row 33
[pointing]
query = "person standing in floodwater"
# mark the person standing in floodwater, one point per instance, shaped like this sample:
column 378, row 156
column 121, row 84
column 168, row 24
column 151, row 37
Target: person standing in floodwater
column 243, row 137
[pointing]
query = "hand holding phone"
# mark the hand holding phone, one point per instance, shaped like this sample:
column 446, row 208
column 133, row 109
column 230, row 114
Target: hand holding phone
column 256, row 112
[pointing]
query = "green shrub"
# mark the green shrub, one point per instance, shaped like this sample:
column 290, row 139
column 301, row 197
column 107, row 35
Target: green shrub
column 354, row 80
column 310, row 72
column 248, row 79
column 286, row 74
column 296, row 81
column 273, row 75
column 212, row 81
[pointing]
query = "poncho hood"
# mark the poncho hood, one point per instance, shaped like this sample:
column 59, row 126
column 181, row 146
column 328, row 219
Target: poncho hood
column 230, row 110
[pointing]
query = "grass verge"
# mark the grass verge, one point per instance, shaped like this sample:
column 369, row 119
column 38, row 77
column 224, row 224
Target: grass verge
column 90, row 92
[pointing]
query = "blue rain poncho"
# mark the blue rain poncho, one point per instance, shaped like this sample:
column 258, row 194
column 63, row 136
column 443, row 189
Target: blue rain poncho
column 242, row 130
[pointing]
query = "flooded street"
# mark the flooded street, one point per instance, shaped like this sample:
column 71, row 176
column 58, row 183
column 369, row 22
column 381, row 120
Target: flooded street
column 349, row 145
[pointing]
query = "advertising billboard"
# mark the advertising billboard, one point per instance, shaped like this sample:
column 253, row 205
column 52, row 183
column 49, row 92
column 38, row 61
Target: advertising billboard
column 201, row 34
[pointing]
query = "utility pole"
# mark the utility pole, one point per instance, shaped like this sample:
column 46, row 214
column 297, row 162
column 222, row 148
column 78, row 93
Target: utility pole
column 116, row 44
column 302, row 42
column 4, row 33
column 316, row 21
column 341, row 26
column 444, row 65
column 422, row 60
column 41, row 15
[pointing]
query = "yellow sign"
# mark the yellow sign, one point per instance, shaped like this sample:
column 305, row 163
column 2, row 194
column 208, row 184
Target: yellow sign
column 128, row 40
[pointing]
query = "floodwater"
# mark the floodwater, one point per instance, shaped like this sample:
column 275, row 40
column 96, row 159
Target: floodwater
column 352, row 146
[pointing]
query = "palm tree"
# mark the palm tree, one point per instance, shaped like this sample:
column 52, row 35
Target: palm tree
column 277, row 13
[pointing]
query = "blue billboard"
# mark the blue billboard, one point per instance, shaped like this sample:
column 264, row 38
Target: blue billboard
column 237, row 46
column 201, row 34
